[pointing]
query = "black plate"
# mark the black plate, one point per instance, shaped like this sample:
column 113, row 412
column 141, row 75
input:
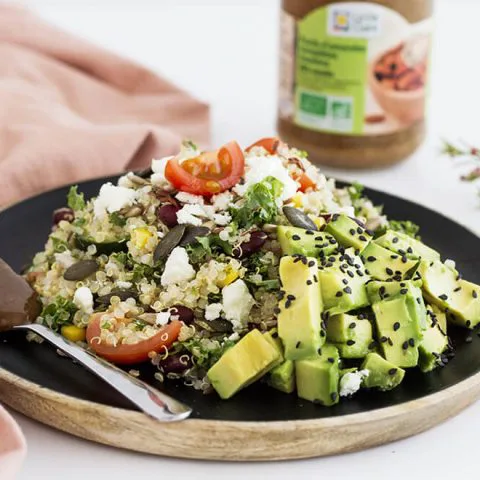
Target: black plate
column 24, row 229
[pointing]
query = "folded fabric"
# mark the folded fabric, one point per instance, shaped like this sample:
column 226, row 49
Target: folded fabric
column 12, row 446
column 70, row 111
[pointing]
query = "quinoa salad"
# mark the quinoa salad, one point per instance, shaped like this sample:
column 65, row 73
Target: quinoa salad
column 240, row 265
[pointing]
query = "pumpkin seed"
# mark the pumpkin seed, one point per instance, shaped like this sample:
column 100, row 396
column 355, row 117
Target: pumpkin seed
column 299, row 219
column 169, row 242
column 221, row 326
column 133, row 211
column 191, row 234
column 120, row 293
column 138, row 180
column 80, row 270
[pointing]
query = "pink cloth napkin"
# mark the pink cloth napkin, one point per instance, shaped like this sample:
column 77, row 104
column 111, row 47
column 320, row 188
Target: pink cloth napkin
column 70, row 111
column 12, row 446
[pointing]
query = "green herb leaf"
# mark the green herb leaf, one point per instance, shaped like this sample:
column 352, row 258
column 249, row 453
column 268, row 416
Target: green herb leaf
column 403, row 226
column 117, row 219
column 355, row 190
column 75, row 200
column 266, row 284
column 206, row 352
column 58, row 313
column 259, row 205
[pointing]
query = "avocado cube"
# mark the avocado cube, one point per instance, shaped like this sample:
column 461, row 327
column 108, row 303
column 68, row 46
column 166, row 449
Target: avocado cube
column 443, row 287
column 299, row 322
column 244, row 363
column 398, row 330
column 381, row 373
column 434, row 342
column 298, row 241
column 406, row 246
column 350, row 334
column 318, row 378
column 282, row 377
column 382, row 264
column 348, row 232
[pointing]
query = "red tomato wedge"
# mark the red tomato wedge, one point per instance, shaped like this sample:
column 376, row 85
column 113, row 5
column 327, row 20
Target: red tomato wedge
column 270, row 144
column 305, row 182
column 132, row 353
column 209, row 173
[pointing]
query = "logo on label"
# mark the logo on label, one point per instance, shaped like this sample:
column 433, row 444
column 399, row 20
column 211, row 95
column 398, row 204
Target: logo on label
column 341, row 20
column 355, row 21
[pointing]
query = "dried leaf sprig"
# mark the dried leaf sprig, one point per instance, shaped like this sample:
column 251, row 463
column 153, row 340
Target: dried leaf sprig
column 468, row 153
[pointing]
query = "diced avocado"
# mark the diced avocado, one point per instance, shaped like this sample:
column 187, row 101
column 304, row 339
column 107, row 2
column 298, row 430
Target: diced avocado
column 382, row 264
column 459, row 298
column 434, row 343
column 297, row 241
column 378, row 291
column 398, row 331
column 441, row 318
column 350, row 334
column 299, row 322
column 382, row 374
column 272, row 337
column 348, row 232
column 244, row 363
column 406, row 246
column 282, row 377
column 317, row 378
column 342, row 280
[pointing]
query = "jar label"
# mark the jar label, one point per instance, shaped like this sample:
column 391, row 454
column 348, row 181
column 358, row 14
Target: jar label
column 353, row 68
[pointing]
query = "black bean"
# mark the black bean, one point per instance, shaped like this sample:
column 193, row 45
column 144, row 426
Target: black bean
column 256, row 242
column 184, row 314
column 167, row 214
column 62, row 214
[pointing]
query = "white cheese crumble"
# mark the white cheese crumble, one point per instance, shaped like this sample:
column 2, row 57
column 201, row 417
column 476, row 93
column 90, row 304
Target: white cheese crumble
column 190, row 214
column 222, row 219
column 448, row 263
column 213, row 311
column 186, row 197
column 112, row 199
column 222, row 201
column 177, row 268
column 64, row 259
column 162, row 318
column 158, row 169
column 237, row 303
column 83, row 299
column 350, row 382
column 261, row 167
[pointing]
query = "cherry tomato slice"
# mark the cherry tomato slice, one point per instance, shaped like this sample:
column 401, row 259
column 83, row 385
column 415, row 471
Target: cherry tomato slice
column 305, row 182
column 129, row 354
column 270, row 144
column 209, row 173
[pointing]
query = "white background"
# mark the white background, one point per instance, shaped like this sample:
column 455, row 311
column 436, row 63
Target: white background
column 225, row 52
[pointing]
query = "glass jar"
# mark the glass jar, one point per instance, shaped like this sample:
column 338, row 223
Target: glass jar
column 353, row 79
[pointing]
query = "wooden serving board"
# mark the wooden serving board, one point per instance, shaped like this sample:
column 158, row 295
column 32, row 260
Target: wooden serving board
column 234, row 440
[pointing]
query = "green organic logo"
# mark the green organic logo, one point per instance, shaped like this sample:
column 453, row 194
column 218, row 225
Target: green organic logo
column 341, row 110
column 315, row 104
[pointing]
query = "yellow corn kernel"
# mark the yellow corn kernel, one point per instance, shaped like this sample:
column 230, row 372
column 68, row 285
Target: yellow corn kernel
column 73, row 333
column 297, row 200
column 140, row 237
column 231, row 276
column 319, row 221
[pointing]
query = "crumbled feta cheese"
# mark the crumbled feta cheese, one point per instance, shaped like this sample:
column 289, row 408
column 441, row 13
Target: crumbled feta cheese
column 350, row 382
column 222, row 218
column 112, row 199
column 83, row 299
column 213, row 311
column 177, row 268
column 234, row 337
column 121, row 284
column 237, row 303
column 448, row 263
column 261, row 167
column 189, row 214
column 185, row 197
column 162, row 318
column 65, row 259
column 222, row 201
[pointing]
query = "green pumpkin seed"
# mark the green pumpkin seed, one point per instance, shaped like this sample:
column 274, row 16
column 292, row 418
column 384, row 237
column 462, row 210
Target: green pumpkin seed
column 80, row 270
column 121, row 294
column 299, row 219
column 169, row 242
column 191, row 234
column 221, row 326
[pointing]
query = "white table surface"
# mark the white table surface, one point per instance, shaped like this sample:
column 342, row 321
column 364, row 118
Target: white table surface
column 225, row 52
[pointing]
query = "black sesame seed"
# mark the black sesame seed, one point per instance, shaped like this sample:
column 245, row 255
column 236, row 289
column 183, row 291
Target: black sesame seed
column 395, row 240
column 275, row 335
column 276, row 310
column 298, row 344
column 352, row 231
column 322, row 333
column 350, row 342
column 304, row 260
column 468, row 323
column 309, row 282
column 404, row 259
column 333, row 396
column 394, row 257
column 357, row 266
column 290, row 297
column 403, row 284
column 331, row 360
column 360, row 273
column 288, row 304
column 335, row 217
column 315, row 278
column 369, row 232
column 401, row 252
column 474, row 294
column 339, row 294
column 360, row 316
column 392, row 371
column 457, row 289
column 363, row 238
column 390, row 342
column 296, row 237
column 411, row 342
column 371, row 258
column 403, row 291
column 381, row 289
column 331, row 259
column 350, row 273
column 405, row 345
column 311, row 263
column 308, row 232
column 319, row 351
column 396, row 326
column 347, row 290
column 383, row 339
column 352, row 325
column 345, row 281
column 332, row 241
column 372, row 345
column 389, row 271
column 419, row 300
column 319, row 239
column 398, row 272
column 297, row 259
column 443, row 296
column 359, row 230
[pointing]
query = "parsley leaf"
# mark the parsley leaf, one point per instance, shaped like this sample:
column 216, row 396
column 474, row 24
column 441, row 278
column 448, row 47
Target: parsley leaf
column 259, row 205
column 117, row 219
column 75, row 200
column 206, row 354
column 405, row 226
column 58, row 313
